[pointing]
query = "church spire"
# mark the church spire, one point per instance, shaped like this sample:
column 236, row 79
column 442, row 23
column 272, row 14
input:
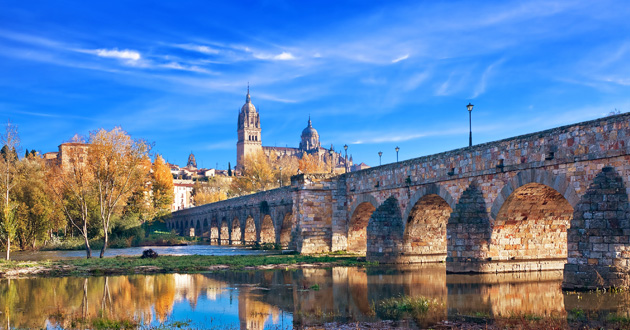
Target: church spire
column 309, row 121
column 247, row 98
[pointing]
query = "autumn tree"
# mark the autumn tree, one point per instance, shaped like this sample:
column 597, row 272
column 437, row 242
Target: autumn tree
column 139, row 204
column 283, row 168
column 209, row 192
column 256, row 175
column 71, row 183
column 34, row 207
column 162, row 187
column 8, row 163
column 311, row 164
column 115, row 162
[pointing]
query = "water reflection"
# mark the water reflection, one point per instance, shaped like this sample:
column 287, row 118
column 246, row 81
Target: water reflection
column 281, row 299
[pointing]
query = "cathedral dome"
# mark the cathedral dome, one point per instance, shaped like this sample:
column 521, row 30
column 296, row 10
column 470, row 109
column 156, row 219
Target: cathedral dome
column 309, row 131
column 310, row 138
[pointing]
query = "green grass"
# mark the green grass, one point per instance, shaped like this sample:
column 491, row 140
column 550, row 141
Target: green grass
column 169, row 264
column 405, row 306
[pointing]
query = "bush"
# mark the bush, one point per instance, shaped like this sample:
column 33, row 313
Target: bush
column 404, row 306
column 149, row 254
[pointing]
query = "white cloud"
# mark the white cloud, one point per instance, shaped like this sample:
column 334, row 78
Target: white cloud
column 402, row 58
column 178, row 66
column 483, row 82
column 284, row 56
column 124, row 54
column 198, row 48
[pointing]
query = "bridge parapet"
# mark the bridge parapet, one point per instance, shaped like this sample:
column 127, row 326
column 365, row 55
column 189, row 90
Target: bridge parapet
column 595, row 139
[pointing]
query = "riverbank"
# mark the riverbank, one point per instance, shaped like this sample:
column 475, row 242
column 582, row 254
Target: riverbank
column 169, row 264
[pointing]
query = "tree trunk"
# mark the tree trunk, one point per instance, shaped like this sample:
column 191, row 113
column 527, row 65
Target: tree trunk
column 88, row 250
column 105, row 240
column 8, row 248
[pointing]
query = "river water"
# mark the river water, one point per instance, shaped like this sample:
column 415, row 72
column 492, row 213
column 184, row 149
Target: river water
column 204, row 250
column 284, row 299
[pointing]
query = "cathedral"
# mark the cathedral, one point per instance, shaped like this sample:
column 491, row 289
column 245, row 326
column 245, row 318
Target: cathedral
column 250, row 141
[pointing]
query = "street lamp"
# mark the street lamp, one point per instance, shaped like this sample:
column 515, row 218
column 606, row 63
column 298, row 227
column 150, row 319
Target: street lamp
column 470, row 106
column 331, row 151
column 345, row 147
column 280, row 176
column 397, row 149
column 380, row 154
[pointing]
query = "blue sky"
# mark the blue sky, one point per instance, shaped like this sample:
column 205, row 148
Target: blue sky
column 371, row 74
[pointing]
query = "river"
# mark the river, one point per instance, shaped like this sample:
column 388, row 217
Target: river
column 204, row 250
column 284, row 299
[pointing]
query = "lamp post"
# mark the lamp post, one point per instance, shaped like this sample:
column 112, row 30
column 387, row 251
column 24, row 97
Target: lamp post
column 470, row 107
column 331, row 151
column 397, row 149
column 345, row 147
column 380, row 154
column 280, row 176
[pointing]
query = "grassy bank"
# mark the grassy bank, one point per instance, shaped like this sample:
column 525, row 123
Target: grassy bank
column 154, row 234
column 166, row 264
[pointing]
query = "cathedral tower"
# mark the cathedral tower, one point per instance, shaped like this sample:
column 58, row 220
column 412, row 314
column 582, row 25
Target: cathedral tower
column 249, row 138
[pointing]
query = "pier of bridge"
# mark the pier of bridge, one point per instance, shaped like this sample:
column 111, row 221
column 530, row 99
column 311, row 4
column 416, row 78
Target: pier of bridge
column 550, row 200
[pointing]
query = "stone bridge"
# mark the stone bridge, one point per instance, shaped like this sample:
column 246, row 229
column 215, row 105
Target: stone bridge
column 556, row 199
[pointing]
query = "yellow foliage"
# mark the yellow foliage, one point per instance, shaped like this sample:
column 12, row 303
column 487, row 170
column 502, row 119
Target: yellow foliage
column 162, row 186
column 311, row 164
column 256, row 175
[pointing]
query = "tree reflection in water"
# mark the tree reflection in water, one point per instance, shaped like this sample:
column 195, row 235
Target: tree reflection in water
column 260, row 299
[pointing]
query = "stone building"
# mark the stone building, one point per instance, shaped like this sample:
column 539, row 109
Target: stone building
column 67, row 152
column 250, row 141
column 182, row 194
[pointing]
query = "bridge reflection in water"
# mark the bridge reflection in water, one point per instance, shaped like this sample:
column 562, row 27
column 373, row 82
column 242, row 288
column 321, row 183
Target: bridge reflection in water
column 281, row 299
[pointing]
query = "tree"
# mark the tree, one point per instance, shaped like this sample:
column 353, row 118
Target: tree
column 229, row 169
column 72, row 185
column 8, row 162
column 311, row 164
column 115, row 161
column 256, row 175
column 209, row 192
column 139, row 204
column 34, row 206
column 162, row 187
column 283, row 168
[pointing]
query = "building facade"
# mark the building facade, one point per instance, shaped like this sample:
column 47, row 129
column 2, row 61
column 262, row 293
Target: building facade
column 249, row 141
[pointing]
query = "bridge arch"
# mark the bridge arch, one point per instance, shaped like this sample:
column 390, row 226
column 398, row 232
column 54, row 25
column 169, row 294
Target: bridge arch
column 236, row 235
column 249, row 234
column 431, row 189
column 533, row 220
column 286, row 228
column 360, row 214
column 267, row 230
column 558, row 182
column 425, row 224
